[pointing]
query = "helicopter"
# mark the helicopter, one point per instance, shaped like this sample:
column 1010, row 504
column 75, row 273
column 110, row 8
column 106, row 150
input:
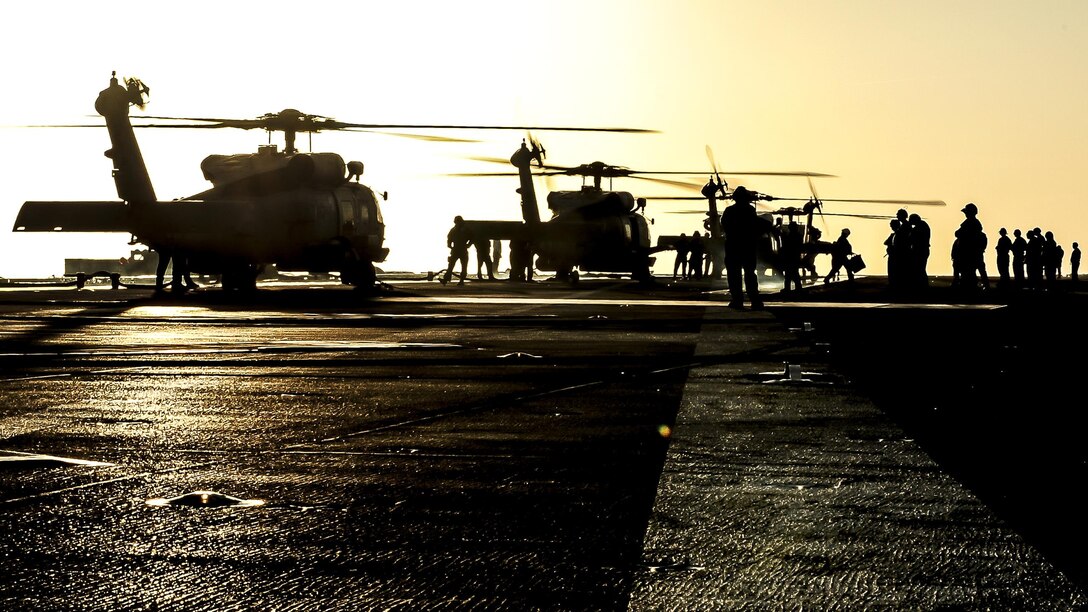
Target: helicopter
column 592, row 229
column 297, row 211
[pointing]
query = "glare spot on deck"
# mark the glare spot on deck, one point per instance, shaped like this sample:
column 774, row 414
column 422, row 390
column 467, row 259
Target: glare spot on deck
column 205, row 499
column 19, row 460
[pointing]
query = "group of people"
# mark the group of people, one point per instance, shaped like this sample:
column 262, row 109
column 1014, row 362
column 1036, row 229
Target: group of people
column 743, row 230
column 1031, row 261
column 1036, row 260
column 488, row 255
column 908, row 249
column 692, row 257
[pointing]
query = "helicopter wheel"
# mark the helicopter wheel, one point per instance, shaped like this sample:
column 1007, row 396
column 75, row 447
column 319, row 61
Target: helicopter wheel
column 357, row 271
column 365, row 275
column 241, row 278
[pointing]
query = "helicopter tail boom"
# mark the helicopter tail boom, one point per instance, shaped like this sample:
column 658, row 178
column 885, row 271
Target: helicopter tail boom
column 73, row 217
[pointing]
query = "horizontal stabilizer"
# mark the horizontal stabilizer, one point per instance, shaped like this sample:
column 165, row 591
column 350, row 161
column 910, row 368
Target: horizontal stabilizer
column 497, row 230
column 72, row 217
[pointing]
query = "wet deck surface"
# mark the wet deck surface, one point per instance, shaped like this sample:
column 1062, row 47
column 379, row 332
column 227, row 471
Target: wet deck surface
column 502, row 447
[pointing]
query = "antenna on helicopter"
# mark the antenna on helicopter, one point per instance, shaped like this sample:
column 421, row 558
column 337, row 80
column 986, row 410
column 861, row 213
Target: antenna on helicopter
column 355, row 170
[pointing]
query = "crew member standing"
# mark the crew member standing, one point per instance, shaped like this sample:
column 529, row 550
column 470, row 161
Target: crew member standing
column 1074, row 262
column 696, row 250
column 919, row 249
column 790, row 255
column 971, row 247
column 496, row 254
column 1004, row 249
column 457, row 241
column 742, row 229
column 1019, row 253
column 680, row 264
column 483, row 258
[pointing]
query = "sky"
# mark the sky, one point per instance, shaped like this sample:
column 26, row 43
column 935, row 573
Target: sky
column 960, row 101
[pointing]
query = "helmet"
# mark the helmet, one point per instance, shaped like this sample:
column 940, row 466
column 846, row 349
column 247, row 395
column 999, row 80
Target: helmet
column 970, row 208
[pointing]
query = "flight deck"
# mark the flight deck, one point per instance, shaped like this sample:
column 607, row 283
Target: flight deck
column 522, row 446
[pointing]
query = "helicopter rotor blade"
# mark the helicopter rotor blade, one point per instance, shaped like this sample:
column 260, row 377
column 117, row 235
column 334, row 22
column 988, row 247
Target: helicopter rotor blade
column 812, row 189
column 900, row 202
column 426, row 137
column 662, row 181
column 491, row 160
column 480, row 174
column 858, row 216
column 819, row 204
column 713, row 164
column 410, row 126
column 678, row 198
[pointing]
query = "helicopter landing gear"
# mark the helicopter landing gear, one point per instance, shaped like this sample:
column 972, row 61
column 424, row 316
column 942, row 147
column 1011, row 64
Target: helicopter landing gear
column 361, row 275
column 358, row 272
column 566, row 275
column 241, row 278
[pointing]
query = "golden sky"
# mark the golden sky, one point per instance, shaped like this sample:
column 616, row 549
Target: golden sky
column 961, row 101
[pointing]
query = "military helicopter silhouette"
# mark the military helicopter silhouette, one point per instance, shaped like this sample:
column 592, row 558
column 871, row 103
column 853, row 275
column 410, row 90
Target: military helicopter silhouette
column 592, row 229
column 297, row 211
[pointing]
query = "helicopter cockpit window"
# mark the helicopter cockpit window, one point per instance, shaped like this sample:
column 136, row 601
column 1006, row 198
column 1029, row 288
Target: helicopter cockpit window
column 364, row 213
column 348, row 220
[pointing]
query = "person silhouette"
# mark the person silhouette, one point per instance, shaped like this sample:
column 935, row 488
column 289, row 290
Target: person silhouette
column 696, row 251
column 182, row 277
column 680, row 264
column 496, row 254
column 1050, row 259
column 1004, row 249
column 811, row 249
column 897, row 249
column 742, row 229
column 160, row 269
column 1033, row 258
column 919, row 238
column 521, row 260
column 457, row 240
column 483, row 258
column 971, row 245
column 1074, row 262
column 1019, row 251
column 841, row 250
column 790, row 255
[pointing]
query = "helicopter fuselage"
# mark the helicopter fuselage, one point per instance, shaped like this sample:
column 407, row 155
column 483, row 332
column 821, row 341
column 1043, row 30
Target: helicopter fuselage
column 305, row 229
column 593, row 230
column 296, row 211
